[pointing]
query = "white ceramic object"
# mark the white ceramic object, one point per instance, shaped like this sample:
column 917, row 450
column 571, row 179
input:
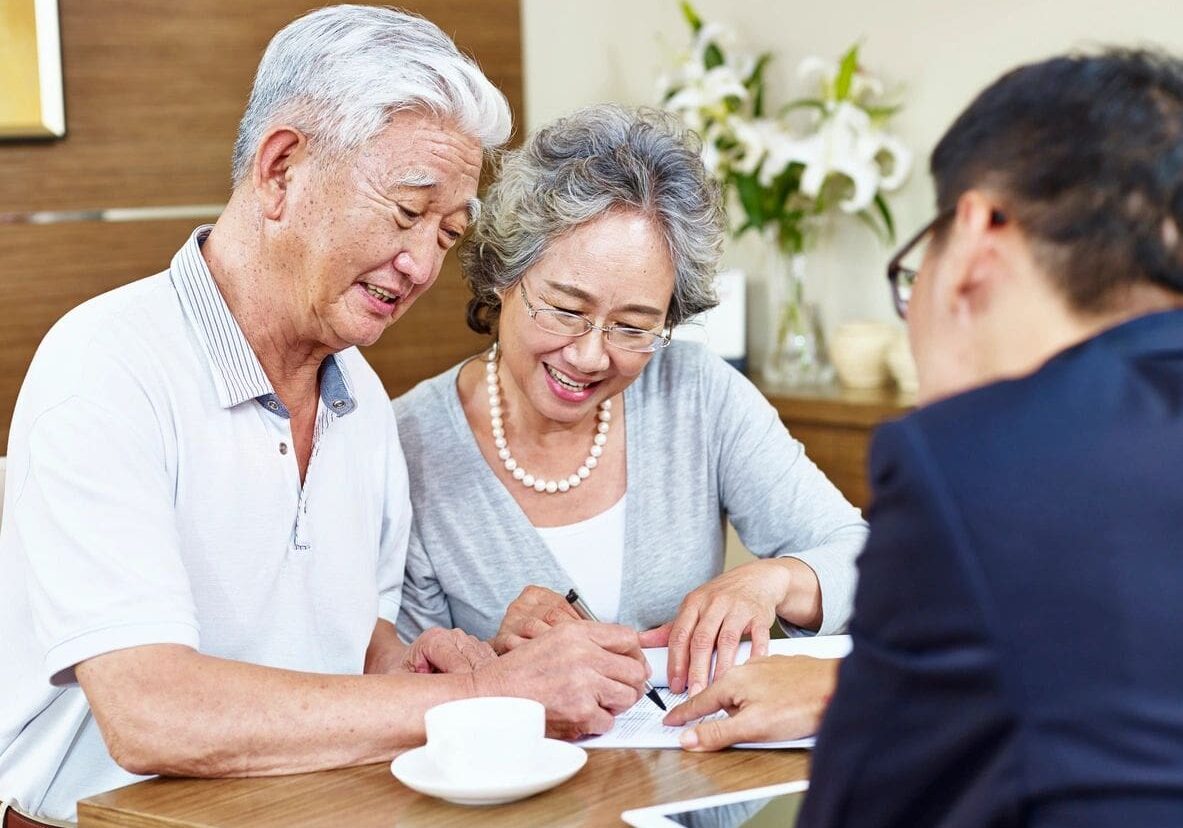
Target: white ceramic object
column 552, row 763
column 489, row 737
column 858, row 351
column 901, row 364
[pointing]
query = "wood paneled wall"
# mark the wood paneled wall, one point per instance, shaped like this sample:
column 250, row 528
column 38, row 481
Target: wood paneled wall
column 154, row 90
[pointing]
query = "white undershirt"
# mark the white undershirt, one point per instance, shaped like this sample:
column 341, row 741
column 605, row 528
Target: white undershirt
column 592, row 553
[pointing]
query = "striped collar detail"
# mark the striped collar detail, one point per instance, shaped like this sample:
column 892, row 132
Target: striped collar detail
column 236, row 371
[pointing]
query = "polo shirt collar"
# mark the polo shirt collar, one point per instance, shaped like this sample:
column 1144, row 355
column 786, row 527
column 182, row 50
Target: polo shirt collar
column 236, row 371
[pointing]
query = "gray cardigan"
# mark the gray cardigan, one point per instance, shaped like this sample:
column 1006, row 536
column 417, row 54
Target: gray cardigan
column 703, row 446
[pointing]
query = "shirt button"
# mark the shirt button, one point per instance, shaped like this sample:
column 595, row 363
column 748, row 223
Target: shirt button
column 273, row 405
column 283, row 448
column 338, row 403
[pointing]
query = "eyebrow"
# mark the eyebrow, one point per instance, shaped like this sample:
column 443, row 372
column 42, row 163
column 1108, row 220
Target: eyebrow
column 423, row 180
column 584, row 296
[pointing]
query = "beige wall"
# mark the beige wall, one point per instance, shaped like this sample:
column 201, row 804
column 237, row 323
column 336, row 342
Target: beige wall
column 941, row 51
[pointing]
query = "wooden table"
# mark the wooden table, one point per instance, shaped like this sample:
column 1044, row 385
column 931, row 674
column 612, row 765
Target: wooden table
column 611, row 782
column 835, row 426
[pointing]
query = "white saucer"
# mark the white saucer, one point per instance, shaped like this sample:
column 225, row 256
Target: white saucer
column 553, row 763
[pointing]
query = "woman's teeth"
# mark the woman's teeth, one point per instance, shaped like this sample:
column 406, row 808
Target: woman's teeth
column 565, row 381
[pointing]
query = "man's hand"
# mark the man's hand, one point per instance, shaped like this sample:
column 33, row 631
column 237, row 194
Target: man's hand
column 715, row 617
column 583, row 672
column 446, row 651
column 767, row 699
column 531, row 614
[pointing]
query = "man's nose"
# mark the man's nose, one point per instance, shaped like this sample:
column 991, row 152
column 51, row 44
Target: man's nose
column 420, row 258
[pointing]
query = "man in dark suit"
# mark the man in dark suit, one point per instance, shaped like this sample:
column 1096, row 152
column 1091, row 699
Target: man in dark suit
column 1017, row 654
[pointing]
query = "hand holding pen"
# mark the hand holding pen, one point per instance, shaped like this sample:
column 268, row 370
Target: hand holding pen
column 586, row 614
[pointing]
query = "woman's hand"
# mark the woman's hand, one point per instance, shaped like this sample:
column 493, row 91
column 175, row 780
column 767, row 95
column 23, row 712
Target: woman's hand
column 715, row 617
column 446, row 651
column 770, row 699
column 532, row 613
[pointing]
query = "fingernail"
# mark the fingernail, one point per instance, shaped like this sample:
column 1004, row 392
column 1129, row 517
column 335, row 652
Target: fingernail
column 688, row 739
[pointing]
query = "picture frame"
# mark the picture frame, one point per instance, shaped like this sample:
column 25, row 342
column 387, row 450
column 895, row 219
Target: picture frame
column 32, row 104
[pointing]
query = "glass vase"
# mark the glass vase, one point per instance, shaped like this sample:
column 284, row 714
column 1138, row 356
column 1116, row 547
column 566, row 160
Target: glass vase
column 798, row 355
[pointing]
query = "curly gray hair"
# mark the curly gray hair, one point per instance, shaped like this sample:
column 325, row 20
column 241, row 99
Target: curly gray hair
column 578, row 168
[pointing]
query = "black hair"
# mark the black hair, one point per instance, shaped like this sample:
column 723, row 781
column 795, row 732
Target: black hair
column 1086, row 153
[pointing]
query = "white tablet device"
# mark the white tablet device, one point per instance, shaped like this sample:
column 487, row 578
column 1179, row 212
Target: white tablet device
column 773, row 805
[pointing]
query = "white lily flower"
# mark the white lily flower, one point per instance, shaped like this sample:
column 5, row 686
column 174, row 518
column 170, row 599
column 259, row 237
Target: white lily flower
column 901, row 161
column 814, row 70
column 755, row 138
column 710, row 93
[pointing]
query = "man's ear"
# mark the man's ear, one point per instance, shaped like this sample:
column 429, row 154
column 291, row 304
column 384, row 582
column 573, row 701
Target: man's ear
column 976, row 260
column 280, row 150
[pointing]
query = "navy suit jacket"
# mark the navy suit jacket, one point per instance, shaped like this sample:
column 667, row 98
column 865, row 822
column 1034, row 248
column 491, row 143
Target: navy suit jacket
column 1018, row 645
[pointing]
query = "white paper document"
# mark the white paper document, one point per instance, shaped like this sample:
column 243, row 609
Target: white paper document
column 640, row 726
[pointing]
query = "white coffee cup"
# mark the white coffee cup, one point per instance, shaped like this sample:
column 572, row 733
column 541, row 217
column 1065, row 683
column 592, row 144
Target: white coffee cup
column 492, row 738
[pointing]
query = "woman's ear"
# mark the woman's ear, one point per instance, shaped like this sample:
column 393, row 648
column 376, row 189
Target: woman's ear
column 282, row 149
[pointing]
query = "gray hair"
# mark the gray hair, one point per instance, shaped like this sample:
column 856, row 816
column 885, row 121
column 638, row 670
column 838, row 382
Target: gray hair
column 340, row 72
column 578, row 168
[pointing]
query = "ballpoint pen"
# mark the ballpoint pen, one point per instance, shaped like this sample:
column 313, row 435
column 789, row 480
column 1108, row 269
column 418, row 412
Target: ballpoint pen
column 584, row 612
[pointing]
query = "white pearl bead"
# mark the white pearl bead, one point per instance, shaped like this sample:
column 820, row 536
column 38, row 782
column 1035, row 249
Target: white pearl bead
column 511, row 464
column 490, row 367
column 606, row 404
column 605, row 416
column 551, row 487
column 503, row 454
column 491, row 356
column 583, row 472
column 494, row 399
column 491, row 380
column 574, row 480
column 540, row 485
column 528, row 480
column 603, row 428
column 519, row 473
column 500, row 443
column 495, row 410
column 591, row 462
column 564, row 485
column 498, row 423
column 498, row 432
column 600, row 439
column 596, row 451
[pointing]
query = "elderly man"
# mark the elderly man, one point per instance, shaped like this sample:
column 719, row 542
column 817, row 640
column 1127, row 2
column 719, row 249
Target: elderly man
column 1017, row 657
column 203, row 541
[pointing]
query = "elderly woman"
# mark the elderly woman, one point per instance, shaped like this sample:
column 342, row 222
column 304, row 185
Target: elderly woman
column 584, row 448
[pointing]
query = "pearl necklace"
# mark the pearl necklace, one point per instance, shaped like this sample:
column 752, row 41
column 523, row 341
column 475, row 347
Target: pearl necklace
column 539, row 484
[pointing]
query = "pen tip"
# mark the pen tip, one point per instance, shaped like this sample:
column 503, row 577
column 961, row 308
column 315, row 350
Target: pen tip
column 653, row 694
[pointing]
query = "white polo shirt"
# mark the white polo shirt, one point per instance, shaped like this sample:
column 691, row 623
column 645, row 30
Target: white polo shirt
column 153, row 497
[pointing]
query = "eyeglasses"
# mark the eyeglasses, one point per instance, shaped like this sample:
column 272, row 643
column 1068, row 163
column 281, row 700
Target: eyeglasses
column 905, row 264
column 566, row 323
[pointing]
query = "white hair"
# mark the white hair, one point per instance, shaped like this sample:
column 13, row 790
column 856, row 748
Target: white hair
column 340, row 72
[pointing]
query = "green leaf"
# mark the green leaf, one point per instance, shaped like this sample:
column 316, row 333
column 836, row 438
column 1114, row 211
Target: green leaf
column 712, row 57
column 803, row 103
column 885, row 214
column 846, row 72
column 691, row 16
column 868, row 218
column 881, row 113
column 748, row 190
column 755, row 84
